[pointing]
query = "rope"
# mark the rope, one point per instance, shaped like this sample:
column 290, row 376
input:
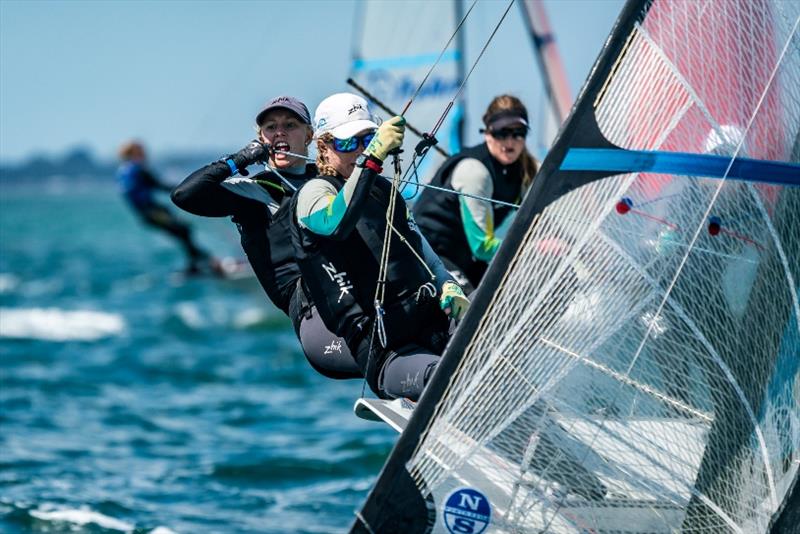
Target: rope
column 430, row 139
column 428, row 186
column 380, row 289
column 425, row 79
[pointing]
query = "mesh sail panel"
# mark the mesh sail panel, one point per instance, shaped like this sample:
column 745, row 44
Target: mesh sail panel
column 637, row 368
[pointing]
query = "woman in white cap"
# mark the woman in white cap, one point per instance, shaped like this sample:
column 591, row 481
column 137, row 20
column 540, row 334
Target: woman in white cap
column 397, row 329
column 461, row 229
column 260, row 208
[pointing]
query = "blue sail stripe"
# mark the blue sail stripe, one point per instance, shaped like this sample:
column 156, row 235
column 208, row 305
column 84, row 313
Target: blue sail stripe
column 398, row 62
column 614, row 160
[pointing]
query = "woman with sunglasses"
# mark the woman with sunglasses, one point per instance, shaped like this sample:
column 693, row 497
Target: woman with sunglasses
column 396, row 328
column 260, row 208
column 459, row 228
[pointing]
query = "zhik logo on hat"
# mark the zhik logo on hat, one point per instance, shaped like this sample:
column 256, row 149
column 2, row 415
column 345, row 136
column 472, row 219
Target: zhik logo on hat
column 285, row 102
column 343, row 115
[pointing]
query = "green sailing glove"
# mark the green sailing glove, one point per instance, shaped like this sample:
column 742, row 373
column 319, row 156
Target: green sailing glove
column 453, row 301
column 388, row 137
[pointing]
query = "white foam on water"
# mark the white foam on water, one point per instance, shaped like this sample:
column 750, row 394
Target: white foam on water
column 83, row 517
column 54, row 324
column 189, row 313
column 162, row 530
column 249, row 317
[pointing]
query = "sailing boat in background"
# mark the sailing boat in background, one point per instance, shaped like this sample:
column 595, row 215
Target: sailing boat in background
column 390, row 62
column 630, row 360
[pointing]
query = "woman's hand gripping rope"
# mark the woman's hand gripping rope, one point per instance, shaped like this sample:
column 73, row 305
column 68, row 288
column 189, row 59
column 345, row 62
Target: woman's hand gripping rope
column 388, row 137
column 453, row 301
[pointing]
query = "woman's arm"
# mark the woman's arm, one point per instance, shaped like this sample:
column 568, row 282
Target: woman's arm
column 434, row 262
column 202, row 193
column 472, row 177
column 151, row 180
column 331, row 213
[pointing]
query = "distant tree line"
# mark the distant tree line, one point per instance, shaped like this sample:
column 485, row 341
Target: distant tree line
column 81, row 164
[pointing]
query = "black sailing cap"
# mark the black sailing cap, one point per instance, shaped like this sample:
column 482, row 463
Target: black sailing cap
column 285, row 102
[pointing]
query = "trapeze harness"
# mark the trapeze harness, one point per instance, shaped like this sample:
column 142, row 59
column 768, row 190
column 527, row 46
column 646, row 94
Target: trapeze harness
column 342, row 271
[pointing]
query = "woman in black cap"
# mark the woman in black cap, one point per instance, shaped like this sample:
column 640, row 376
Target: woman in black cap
column 459, row 228
column 259, row 206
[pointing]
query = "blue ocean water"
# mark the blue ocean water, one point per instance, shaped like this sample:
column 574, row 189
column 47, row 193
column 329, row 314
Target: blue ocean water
column 133, row 399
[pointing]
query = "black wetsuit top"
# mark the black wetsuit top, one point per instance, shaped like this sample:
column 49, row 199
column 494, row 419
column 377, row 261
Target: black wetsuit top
column 264, row 236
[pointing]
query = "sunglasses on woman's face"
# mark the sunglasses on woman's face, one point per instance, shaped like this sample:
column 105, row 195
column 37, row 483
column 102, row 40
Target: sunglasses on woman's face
column 351, row 143
column 505, row 133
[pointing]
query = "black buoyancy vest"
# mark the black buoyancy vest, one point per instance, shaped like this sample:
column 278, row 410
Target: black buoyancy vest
column 267, row 242
column 438, row 213
column 342, row 275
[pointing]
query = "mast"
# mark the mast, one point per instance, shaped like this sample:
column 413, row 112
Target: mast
column 547, row 55
column 456, row 141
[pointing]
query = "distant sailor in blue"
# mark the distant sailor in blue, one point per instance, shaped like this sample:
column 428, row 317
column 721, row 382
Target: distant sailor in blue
column 462, row 229
column 260, row 206
column 139, row 185
column 398, row 329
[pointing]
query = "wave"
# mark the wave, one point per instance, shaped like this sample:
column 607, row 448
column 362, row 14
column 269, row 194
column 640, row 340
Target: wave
column 82, row 516
column 198, row 316
column 54, row 324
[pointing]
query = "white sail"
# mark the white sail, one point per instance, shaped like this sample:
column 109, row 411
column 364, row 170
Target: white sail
column 630, row 363
column 398, row 44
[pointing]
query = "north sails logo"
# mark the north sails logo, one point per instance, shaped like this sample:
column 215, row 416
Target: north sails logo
column 467, row 511
column 340, row 278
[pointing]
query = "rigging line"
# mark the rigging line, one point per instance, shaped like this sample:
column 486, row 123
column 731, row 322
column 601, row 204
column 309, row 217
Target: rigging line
column 270, row 184
column 391, row 112
column 429, row 139
column 414, row 252
column 418, row 184
column 295, row 154
column 268, row 167
column 459, row 193
column 384, row 264
column 474, row 64
column 425, row 79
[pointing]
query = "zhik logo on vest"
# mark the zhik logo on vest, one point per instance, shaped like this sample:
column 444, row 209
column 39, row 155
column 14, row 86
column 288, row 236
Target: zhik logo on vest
column 340, row 278
column 467, row 511
column 336, row 345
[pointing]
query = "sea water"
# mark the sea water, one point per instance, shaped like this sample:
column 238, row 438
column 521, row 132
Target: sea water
column 134, row 399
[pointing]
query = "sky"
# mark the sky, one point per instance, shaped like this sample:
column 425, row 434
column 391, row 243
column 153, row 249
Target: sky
column 190, row 76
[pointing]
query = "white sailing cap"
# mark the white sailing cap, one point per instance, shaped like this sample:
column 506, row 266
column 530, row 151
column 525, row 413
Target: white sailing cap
column 343, row 115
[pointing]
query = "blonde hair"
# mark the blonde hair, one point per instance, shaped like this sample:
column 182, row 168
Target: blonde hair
column 131, row 150
column 323, row 145
column 511, row 103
